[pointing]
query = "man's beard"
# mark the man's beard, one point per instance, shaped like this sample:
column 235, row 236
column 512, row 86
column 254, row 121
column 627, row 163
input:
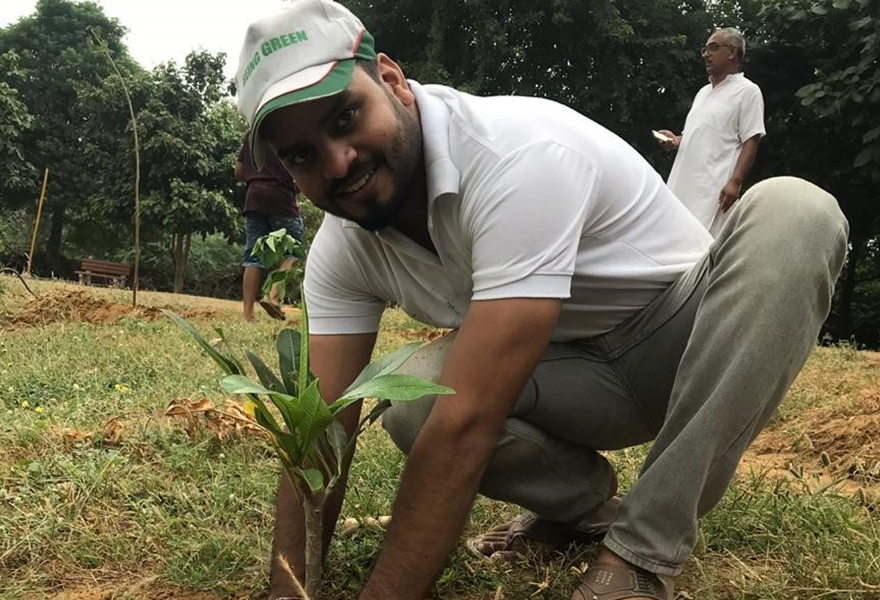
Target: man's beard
column 403, row 161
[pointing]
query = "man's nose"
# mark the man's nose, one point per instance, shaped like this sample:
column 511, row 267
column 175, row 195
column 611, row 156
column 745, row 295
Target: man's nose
column 339, row 155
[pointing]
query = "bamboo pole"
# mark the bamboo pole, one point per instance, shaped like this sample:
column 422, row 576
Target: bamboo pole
column 37, row 222
column 137, row 169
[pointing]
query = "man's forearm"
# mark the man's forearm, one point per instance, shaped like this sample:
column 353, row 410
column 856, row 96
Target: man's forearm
column 438, row 487
column 745, row 160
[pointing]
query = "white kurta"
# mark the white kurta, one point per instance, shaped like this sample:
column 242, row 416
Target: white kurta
column 720, row 120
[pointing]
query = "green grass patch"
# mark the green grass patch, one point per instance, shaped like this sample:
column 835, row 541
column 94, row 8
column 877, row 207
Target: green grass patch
column 77, row 506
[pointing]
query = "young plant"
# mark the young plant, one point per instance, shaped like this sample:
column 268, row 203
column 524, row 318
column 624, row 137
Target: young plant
column 313, row 446
column 272, row 250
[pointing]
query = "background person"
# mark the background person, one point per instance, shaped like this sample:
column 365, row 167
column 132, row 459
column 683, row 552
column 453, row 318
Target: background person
column 270, row 204
column 721, row 134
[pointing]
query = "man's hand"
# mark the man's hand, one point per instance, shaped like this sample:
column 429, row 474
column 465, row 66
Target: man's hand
column 729, row 194
column 238, row 171
column 674, row 140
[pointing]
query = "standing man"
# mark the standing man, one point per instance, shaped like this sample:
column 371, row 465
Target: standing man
column 270, row 204
column 721, row 134
column 581, row 324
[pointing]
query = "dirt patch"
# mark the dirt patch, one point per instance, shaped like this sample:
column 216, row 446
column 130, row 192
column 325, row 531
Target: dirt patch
column 826, row 447
column 145, row 589
column 67, row 306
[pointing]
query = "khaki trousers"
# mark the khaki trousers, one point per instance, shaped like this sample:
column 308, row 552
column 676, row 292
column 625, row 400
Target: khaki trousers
column 699, row 371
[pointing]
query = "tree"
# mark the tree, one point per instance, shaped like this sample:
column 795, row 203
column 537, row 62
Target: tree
column 193, row 136
column 54, row 57
column 630, row 65
column 824, row 116
column 16, row 173
column 190, row 136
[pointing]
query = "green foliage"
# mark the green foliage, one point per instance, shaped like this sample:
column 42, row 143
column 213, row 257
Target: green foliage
column 15, row 121
column 823, row 116
column 628, row 64
column 272, row 250
column 309, row 433
column 189, row 136
column 54, row 60
column 314, row 448
column 14, row 240
column 847, row 87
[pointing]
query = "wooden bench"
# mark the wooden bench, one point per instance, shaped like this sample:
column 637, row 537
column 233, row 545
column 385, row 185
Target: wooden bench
column 116, row 272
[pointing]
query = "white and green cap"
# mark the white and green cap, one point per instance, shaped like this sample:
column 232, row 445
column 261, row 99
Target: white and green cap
column 306, row 52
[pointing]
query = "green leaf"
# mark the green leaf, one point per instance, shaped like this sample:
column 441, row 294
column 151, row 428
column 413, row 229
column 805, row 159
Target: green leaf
column 314, row 478
column 239, row 384
column 865, row 156
column 316, row 415
column 281, row 438
column 385, row 365
column 291, row 411
column 288, row 346
column 338, row 439
column 229, row 365
column 267, row 377
column 398, row 388
column 872, row 135
column 303, row 347
column 841, row 4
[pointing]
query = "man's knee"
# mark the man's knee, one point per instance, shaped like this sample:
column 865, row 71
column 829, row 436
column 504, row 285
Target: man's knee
column 797, row 206
column 404, row 420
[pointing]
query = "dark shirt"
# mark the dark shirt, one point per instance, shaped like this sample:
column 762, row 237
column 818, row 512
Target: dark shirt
column 270, row 190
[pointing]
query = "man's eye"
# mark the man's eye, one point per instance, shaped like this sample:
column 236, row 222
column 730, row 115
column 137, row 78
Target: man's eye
column 299, row 158
column 345, row 119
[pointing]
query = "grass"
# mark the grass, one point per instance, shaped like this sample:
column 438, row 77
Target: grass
column 141, row 510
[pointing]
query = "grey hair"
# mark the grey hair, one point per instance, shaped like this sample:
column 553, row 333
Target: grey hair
column 735, row 39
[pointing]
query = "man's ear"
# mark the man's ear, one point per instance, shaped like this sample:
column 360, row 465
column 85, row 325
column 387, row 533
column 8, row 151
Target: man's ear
column 393, row 78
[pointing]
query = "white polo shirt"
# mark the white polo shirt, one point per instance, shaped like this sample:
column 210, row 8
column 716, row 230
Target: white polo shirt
column 527, row 199
column 720, row 120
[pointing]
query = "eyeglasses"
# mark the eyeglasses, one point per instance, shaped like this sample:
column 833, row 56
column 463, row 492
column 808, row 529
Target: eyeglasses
column 713, row 47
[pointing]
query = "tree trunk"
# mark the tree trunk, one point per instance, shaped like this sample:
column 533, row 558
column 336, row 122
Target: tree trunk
column 177, row 261
column 53, row 247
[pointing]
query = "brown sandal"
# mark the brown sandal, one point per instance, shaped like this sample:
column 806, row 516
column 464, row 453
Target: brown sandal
column 515, row 537
column 618, row 582
column 273, row 309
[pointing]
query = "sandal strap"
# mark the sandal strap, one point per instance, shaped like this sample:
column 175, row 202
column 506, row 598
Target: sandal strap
column 531, row 527
column 617, row 582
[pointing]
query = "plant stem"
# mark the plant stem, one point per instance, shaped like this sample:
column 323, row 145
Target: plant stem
column 313, row 510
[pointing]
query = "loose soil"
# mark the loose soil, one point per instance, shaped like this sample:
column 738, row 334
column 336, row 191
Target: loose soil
column 146, row 589
column 66, row 306
column 831, row 446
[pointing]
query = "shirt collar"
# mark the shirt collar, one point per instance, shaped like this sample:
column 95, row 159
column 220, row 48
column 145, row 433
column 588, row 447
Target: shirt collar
column 442, row 175
column 731, row 77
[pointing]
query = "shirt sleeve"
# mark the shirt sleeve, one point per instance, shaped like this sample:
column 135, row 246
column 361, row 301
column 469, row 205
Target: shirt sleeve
column 338, row 299
column 751, row 114
column 525, row 221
